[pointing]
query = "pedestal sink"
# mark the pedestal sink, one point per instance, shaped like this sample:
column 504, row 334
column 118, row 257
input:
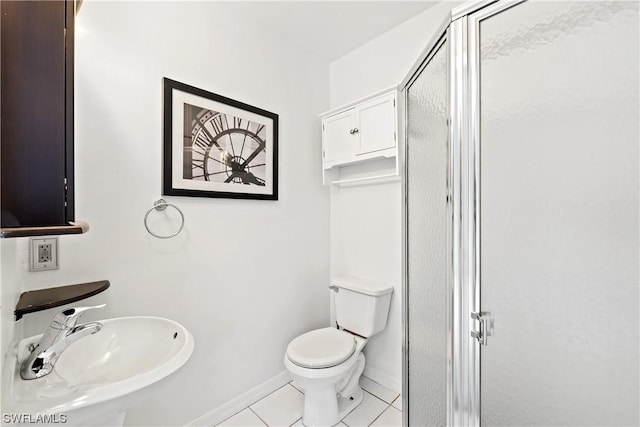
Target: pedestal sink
column 99, row 377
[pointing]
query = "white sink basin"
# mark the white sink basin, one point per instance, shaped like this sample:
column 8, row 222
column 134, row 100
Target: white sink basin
column 99, row 376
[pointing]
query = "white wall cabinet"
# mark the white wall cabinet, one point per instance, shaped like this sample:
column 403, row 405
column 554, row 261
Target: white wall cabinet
column 377, row 124
column 338, row 137
column 363, row 131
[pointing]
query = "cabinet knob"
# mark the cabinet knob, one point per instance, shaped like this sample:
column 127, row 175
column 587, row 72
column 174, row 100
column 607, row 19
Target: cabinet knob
column 356, row 130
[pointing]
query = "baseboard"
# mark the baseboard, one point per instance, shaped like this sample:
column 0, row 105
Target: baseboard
column 382, row 378
column 236, row 405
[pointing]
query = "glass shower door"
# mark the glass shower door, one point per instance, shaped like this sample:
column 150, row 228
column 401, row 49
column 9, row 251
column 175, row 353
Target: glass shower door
column 426, row 242
column 558, row 212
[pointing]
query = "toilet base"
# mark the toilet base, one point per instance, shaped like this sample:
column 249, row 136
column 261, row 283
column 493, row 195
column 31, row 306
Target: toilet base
column 333, row 410
column 324, row 407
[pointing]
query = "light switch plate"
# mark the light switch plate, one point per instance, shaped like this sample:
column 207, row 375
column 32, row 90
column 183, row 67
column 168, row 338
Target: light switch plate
column 43, row 254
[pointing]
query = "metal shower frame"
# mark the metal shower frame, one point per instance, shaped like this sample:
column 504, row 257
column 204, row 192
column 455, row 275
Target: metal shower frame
column 460, row 32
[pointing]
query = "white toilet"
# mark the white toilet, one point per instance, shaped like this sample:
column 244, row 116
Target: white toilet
column 327, row 363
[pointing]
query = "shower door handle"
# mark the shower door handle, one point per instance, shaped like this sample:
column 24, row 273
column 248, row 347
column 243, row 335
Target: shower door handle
column 485, row 321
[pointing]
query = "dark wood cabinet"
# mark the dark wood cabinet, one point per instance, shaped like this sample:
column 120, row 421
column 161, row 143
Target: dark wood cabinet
column 36, row 145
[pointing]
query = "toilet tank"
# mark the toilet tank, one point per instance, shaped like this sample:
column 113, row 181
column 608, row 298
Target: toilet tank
column 362, row 306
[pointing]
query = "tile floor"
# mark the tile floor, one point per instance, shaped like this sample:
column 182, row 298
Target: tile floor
column 381, row 407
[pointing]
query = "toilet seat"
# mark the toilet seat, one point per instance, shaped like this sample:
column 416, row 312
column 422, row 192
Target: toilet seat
column 321, row 348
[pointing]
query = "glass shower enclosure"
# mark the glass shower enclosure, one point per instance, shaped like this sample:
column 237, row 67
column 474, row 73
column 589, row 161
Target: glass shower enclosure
column 521, row 217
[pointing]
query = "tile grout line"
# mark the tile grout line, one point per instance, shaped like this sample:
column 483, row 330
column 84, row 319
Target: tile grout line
column 279, row 388
column 353, row 410
column 291, row 383
column 298, row 390
column 262, row 398
column 392, row 402
column 379, row 397
column 249, row 407
column 256, row 414
column 380, row 414
column 231, row 416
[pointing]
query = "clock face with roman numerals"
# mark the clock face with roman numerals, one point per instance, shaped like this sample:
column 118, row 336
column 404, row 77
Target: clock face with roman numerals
column 222, row 148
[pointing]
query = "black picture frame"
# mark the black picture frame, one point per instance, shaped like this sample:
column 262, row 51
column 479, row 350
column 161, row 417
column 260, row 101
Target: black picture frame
column 218, row 147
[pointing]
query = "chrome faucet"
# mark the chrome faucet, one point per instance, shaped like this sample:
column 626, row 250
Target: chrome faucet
column 61, row 333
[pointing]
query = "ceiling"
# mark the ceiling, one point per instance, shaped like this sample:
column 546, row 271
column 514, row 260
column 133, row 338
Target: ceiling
column 329, row 29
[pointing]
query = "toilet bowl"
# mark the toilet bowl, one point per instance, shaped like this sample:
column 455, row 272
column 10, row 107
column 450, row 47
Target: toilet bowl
column 327, row 363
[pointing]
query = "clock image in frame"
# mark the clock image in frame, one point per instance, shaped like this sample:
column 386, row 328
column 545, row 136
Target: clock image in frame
column 223, row 148
column 216, row 146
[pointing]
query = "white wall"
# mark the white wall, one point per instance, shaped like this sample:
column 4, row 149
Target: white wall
column 366, row 221
column 385, row 60
column 245, row 277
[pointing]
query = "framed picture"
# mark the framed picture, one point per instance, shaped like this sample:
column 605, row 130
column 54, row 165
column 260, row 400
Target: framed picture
column 217, row 147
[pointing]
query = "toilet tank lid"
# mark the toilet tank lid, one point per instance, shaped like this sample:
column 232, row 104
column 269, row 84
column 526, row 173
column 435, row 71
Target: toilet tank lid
column 363, row 286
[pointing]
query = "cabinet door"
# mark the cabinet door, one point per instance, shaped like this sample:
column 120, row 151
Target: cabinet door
column 377, row 124
column 337, row 137
column 37, row 113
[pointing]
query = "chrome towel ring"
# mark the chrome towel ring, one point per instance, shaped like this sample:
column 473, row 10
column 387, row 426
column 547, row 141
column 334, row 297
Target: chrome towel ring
column 160, row 205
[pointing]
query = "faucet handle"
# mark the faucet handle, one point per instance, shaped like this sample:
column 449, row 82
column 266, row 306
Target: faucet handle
column 69, row 317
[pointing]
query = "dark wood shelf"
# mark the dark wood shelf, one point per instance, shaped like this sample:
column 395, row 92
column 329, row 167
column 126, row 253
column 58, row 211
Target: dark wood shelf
column 78, row 227
column 43, row 299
